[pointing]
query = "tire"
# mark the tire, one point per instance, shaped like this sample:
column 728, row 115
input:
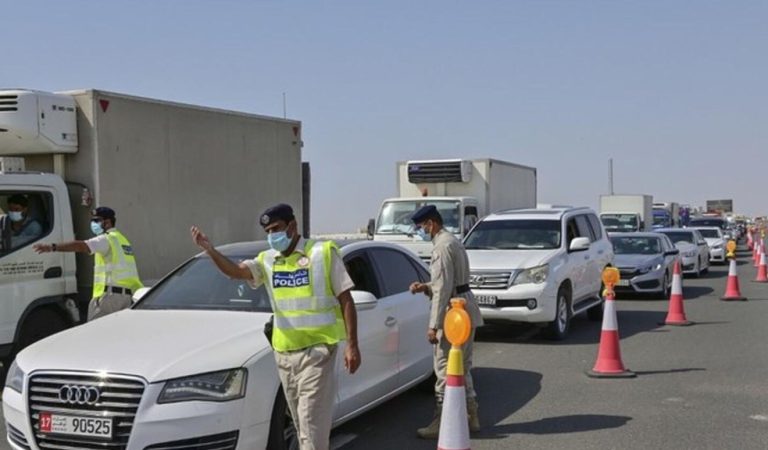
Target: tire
column 40, row 324
column 557, row 330
column 698, row 269
column 282, row 433
column 665, row 290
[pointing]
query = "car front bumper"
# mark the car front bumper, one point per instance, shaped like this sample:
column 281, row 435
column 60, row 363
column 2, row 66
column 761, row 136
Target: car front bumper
column 717, row 255
column 511, row 304
column 650, row 282
column 160, row 426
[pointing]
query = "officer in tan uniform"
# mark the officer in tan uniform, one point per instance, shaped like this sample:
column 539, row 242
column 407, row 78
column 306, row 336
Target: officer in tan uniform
column 313, row 310
column 450, row 278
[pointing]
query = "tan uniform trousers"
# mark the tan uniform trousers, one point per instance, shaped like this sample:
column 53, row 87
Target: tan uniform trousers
column 108, row 303
column 309, row 383
column 441, row 365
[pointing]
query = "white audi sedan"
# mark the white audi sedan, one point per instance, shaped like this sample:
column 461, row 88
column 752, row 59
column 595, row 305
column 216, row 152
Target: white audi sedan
column 189, row 366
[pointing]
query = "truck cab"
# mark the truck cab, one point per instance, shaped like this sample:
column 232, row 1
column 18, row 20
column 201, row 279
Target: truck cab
column 34, row 287
column 394, row 221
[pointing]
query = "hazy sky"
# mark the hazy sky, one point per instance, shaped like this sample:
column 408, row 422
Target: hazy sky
column 674, row 91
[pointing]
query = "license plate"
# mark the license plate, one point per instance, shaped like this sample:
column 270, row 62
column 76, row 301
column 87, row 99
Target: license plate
column 623, row 283
column 486, row 300
column 95, row 427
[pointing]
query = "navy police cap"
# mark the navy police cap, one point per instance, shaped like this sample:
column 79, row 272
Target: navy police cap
column 424, row 213
column 278, row 212
column 105, row 212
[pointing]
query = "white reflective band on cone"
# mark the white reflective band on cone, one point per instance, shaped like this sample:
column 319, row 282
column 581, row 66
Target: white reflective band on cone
column 677, row 284
column 732, row 269
column 609, row 316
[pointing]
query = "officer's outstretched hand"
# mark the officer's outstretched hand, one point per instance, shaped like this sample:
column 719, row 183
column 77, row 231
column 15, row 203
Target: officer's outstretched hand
column 351, row 358
column 200, row 239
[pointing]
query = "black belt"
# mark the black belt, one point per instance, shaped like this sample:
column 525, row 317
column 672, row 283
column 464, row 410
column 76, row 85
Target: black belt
column 463, row 289
column 119, row 290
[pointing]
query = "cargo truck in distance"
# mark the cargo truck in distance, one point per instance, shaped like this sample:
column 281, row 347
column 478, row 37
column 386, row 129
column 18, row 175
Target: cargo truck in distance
column 626, row 213
column 666, row 215
column 162, row 166
column 462, row 190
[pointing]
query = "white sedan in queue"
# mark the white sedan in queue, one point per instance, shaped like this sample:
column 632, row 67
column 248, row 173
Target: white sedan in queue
column 189, row 365
column 716, row 240
column 694, row 251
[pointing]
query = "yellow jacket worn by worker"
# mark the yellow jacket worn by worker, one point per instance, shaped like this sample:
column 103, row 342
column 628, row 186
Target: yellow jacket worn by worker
column 120, row 271
column 306, row 310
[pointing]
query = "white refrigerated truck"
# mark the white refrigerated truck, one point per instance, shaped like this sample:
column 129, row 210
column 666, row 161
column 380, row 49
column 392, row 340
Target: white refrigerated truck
column 626, row 213
column 462, row 190
column 162, row 166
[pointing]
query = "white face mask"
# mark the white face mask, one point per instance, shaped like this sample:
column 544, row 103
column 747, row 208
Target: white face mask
column 16, row 216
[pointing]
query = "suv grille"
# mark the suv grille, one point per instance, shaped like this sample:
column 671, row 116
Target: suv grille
column 16, row 436
column 119, row 398
column 489, row 280
column 223, row 441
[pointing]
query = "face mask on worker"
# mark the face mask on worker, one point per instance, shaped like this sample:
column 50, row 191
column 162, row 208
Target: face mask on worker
column 423, row 233
column 16, row 216
column 279, row 240
column 96, row 228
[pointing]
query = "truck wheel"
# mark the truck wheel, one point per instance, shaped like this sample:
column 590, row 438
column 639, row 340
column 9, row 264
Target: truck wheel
column 557, row 330
column 40, row 324
column 282, row 433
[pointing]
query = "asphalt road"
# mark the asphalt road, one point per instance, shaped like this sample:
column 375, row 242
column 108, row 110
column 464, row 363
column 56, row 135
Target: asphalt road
column 701, row 387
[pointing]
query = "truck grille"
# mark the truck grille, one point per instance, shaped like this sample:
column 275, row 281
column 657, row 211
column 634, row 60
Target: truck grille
column 16, row 436
column 223, row 441
column 9, row 103
column 119, row 398
column 489, row 280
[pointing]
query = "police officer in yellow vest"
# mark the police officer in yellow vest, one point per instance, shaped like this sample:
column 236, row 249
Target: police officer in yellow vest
column 115, row 276
column 313, row 310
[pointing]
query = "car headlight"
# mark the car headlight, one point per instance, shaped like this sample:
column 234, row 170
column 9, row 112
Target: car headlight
column 717, row 247
column 15, row 378
column 534, row 275
column 653, row 267
column 690, row 254
column 208, row 387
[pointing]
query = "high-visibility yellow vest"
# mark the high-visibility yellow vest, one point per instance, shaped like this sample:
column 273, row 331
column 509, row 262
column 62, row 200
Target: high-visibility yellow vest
column 120, row 271
column 305, row 309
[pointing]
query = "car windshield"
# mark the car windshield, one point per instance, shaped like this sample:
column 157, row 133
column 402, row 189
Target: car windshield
column 710, row 233
column 680, row 236
column 514, row 234
column 625, row 245
column 395, row 216
column 619, row 222
column 719, row 223
column 199, row 285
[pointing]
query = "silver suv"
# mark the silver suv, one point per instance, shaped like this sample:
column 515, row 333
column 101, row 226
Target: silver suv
column 539, row 266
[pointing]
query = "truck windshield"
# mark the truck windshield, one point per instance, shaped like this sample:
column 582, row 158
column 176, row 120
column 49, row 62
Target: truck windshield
column 514, row 235
column 660, row 218
column 395, row 216
column 619, row 222
column 199, row 285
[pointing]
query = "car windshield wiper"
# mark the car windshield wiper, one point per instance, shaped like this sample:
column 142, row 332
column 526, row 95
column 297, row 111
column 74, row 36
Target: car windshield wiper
column 482, row 247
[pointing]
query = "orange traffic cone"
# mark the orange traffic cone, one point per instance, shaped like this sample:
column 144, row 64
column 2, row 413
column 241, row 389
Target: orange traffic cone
column 609, row 364
column 750, row 242
column 756, row 256
column 676, row 313
column 732, row 291
column 762, row 276
column 454, row 427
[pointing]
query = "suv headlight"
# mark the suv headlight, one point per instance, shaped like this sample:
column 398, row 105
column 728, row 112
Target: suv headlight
column 15, row 378
column 534, row 275
column 208, row 387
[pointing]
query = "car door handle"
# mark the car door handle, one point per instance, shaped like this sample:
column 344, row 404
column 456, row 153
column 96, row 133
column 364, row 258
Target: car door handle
column 390, row 322
column 53, row 272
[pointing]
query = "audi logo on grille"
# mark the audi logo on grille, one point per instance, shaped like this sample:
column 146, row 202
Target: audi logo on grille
column 79, row 395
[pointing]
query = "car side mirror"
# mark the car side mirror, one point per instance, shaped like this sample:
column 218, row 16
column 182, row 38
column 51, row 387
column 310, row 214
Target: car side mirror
column 362, row 298
column 579, row 244
column 371, row 228
column 672, row 252
column 141, row 292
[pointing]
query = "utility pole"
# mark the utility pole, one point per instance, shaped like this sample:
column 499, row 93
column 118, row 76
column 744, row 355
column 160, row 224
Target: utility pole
column 610, row 176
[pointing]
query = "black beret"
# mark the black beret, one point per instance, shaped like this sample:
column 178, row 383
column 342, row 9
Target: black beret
column 424, row 213
column 105, row 212
column 278, row 212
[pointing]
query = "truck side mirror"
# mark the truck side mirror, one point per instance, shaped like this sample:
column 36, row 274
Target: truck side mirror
column 371, row 228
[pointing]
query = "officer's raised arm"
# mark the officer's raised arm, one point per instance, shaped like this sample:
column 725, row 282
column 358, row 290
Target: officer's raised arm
column 225, row 265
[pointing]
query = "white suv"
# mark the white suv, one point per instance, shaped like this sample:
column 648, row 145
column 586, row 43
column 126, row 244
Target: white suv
column 539, row 266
